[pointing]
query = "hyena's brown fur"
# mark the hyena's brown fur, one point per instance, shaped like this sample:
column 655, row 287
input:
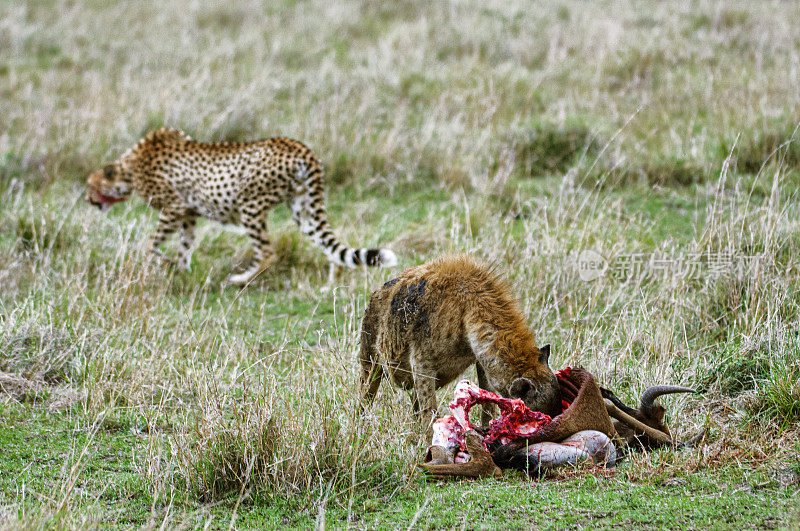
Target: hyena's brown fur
column 427, row 326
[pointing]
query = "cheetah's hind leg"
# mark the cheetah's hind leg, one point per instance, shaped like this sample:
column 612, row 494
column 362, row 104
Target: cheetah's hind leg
column 264, row 254
column 256, row 268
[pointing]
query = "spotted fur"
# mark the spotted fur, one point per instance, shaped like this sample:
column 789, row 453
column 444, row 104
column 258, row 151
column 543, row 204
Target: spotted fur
column 229, row 182
column 423, row 329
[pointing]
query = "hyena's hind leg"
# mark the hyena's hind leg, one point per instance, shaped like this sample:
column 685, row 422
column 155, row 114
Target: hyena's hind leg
column 370, row 381
column 371, row 368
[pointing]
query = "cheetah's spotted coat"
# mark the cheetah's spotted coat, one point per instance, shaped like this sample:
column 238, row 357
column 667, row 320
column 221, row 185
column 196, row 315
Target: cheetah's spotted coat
column 229, row 182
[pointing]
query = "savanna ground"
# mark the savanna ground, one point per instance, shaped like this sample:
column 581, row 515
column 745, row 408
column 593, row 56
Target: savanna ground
column 525, row 133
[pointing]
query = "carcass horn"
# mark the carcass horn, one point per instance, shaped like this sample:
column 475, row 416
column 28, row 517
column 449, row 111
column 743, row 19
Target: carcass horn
column 649, row 396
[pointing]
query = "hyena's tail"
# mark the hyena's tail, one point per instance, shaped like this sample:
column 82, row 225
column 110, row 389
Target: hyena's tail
column 308, row 211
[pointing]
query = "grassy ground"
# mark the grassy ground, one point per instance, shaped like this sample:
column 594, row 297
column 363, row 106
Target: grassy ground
column 133, row 395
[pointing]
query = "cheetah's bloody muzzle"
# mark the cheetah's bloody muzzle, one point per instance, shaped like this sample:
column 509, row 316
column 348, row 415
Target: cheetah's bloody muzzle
column 102, row 201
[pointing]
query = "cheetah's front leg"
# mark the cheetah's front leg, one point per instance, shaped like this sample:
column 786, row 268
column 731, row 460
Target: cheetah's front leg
column 187, row 239
column 168, row 223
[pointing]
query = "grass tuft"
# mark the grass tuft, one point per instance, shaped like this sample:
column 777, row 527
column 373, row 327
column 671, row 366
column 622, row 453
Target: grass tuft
column 547, row 148
column 776, row 146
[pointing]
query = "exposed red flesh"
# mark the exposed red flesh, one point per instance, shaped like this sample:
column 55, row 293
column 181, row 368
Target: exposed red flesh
column 515, row 420
column 447, row 432
column 567, row 387
column 568, row 390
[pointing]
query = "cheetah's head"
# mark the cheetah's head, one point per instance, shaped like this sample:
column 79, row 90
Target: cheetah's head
column 108, row 186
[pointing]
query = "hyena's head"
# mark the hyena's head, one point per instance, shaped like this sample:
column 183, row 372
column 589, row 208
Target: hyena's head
column 538, row 387
column 109, row 185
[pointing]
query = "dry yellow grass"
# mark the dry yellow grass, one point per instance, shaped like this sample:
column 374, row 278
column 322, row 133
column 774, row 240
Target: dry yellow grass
column 524, row 134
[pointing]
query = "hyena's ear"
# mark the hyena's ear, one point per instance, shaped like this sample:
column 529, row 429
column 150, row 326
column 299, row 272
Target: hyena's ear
column 544, row 356
column 520, row 387
column 108, row 171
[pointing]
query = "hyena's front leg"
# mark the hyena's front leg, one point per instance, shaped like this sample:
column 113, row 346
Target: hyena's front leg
column 424, row 392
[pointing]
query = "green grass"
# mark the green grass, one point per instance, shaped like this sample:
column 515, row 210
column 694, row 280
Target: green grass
column 42, row 451
column 134, row 395
column 709, row 501
column 68, row 460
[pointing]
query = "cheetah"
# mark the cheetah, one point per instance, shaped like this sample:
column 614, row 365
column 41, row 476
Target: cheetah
column 231, row 183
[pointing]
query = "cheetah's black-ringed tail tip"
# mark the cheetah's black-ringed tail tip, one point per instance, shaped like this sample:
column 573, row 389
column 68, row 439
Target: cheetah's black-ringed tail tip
column 369, row 257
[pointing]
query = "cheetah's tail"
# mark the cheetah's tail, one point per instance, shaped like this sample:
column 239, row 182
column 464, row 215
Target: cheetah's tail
column 308, row 210
column 370, row 257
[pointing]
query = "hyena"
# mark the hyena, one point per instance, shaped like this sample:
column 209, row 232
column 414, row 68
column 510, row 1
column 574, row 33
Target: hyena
column 427, row 326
